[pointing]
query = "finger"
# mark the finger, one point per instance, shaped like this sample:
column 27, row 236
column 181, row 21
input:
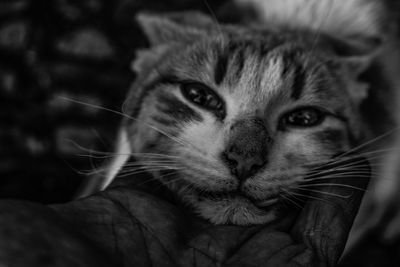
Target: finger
column 264, row 249
column 324, row 223
column 34, row 235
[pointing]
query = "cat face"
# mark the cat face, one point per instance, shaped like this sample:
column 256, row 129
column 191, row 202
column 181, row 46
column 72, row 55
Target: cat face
column 240, row 120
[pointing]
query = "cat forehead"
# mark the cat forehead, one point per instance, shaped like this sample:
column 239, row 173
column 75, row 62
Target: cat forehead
column 256, row 69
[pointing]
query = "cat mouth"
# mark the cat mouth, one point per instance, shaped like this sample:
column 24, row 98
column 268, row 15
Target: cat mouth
column 260, row 203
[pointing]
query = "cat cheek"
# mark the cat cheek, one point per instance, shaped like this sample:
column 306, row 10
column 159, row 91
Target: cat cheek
column 298, row 148
column 204, row 135
column 295, row 158
column 331, row 139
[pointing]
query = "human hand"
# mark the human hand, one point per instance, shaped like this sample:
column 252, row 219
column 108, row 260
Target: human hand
column 141, row 229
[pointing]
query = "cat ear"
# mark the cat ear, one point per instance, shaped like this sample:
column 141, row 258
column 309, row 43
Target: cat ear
column 354, row 66
column 145, row 58
column 174, row 27
column 355, row 52
column 351, row 68
column 354, row 57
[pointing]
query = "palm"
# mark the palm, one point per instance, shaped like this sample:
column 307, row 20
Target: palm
column 142, row 230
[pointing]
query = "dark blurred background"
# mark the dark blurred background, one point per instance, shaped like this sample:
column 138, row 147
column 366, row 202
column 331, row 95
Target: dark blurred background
column 78, row 49
column 82, row 50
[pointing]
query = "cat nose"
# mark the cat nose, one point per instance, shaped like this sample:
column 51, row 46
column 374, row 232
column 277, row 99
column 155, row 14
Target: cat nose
column 242, row 165
column 247, row 147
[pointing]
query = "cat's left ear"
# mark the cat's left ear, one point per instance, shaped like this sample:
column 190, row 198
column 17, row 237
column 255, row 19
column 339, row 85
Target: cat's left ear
column 353, row 59
column 354, row 67
column 355, row 53
column 174, row 27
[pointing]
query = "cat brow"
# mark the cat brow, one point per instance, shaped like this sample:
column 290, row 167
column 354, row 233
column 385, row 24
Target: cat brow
column 291, row 62
column 221, row 68
column 236, row 51
column 299, row 81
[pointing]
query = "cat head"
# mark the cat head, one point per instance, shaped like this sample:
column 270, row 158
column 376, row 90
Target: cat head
column 240, row 113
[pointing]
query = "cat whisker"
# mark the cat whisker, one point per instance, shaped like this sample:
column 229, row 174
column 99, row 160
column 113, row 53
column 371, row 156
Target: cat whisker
column 370, row 155
column 161, row 164
column 128, row 167
column 176, row 139
column 152, row 169
column 337, row 177
column 184, row 190
column 122, row 174
column 291, row 201
column 141, row 166
column 340, row 171
column 111, row 154
column 352, row 166
column 372, row 141
column 354, row 163
column 343, row 173
column 148, row 167
column 147, row 163
column 338, row 161
column 348, row 174
column 370, row 169
column 214, row 18
column 144, row 155
column 93, row 171
column 383, row 151
column 172, row 180
column 159, row 178
column 310, row 197
column 333, row 184
column 154, row 162
column 206, row 162
column 335, row 161
column 145, row 170
column 325, row 193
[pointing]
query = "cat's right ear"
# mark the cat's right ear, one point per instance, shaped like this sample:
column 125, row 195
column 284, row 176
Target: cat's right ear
column 174, row 27
column 164, row 30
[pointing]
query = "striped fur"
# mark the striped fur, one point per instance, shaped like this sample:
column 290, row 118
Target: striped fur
column 260, row 75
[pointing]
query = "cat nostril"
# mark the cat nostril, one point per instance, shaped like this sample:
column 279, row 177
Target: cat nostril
column 232, row 162
column 242, row 165
column 244, row 171
column 255, row 168
column 234, row 171
column 243, row 168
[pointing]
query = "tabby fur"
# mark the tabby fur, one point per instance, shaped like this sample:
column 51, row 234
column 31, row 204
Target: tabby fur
column 297, row 54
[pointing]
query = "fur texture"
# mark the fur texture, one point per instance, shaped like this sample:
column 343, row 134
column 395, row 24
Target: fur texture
column 256, row 76
column 348, row 19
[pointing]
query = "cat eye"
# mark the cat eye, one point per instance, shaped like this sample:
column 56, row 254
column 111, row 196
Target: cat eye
column 303, row 117
column 202, row 95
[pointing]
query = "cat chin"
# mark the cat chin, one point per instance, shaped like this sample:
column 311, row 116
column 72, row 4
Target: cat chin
column 238, row 211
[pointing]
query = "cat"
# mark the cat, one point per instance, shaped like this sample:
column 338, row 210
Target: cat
column 232, row 117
